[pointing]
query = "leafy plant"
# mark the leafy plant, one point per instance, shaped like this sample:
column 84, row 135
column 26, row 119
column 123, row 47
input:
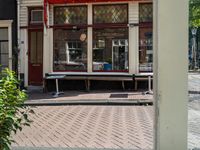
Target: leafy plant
column 13, row 114
column 194, row 13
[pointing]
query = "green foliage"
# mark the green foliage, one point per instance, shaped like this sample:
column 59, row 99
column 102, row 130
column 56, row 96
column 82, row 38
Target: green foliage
column 13, row 115
column 194, row 13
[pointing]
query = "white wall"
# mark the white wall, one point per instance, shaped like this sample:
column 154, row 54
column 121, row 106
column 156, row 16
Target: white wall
column 24, row 4
column 48, row 52
column 24, row 55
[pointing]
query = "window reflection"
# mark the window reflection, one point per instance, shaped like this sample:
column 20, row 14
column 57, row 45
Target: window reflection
column 110, row 49
column 145, row 37
column 70, row 50
column 146, row 49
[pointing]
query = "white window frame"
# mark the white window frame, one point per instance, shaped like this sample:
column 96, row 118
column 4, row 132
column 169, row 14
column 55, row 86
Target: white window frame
column 8, row 24
column 36, row 22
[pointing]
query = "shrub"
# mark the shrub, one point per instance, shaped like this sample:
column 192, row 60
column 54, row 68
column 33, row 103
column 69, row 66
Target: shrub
column 13, row 114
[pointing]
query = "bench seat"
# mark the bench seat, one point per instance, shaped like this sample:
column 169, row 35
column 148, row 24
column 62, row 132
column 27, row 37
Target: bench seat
column 87, row 77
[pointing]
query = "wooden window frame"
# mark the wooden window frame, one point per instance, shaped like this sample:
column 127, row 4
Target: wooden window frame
column 31, row 24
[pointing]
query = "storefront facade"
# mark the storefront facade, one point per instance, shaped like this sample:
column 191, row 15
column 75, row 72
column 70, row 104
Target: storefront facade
column 101, row 37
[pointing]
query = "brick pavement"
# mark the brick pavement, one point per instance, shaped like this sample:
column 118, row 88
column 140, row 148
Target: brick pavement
column 116, row 127
column 194, row 82
column 93, row 97
column 194, row 111
column 193, row 128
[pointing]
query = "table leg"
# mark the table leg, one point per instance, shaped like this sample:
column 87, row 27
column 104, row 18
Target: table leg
column 57, row 90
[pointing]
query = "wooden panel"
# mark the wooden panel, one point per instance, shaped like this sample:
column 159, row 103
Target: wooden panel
column 133, row 12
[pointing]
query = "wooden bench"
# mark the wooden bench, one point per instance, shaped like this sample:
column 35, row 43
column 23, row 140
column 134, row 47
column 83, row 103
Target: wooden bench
column 87, row 77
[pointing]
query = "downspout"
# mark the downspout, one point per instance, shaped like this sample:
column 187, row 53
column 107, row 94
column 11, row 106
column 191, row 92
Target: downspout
column 18, row 39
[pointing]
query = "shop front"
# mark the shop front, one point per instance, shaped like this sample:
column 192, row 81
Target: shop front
column 100, row 37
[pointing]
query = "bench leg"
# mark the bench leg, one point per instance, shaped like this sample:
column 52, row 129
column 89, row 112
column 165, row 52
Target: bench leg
column 136, row 85
column 123, row 85
column 44, row 86
column 87, row 85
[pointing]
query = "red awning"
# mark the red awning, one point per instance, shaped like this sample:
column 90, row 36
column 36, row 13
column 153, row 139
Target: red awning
column 84, row 1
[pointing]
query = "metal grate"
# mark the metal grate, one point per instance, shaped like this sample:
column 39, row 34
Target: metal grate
column 111, row 13
column 146, row 12
column 70, row 15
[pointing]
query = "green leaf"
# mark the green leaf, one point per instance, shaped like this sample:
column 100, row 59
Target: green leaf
column 11, row 106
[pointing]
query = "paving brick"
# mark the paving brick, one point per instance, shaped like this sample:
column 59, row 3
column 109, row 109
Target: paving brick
column 114, row 127
column 88, row 127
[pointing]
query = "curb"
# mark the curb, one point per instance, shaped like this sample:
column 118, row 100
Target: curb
column 54, row 148
column 88, row 102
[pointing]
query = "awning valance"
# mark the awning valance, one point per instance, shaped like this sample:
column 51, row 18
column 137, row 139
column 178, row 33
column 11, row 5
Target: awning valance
column 84, row 1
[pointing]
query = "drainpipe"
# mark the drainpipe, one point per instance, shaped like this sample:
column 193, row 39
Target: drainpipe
column 18, row 39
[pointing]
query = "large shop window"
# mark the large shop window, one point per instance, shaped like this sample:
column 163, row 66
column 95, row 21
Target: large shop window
column 70, row 50
column 110, row 45
column 70, row 44
column 110, row 49
column 3, row 48
column 145, row 38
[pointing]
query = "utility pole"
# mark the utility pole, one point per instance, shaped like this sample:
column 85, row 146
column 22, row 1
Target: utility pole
column 170, row 74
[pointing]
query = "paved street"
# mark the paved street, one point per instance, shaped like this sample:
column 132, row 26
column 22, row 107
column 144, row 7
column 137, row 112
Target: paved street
column 113, row 127
column 128, row 127
column 194, row 111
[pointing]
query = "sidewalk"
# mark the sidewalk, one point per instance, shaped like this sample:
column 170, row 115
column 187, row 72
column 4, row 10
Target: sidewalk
column 81, row 127
column 93, row 97
column 87, row 127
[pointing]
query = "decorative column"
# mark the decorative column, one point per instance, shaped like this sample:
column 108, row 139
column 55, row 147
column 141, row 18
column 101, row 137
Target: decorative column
column 89, row 40
column 133, row 37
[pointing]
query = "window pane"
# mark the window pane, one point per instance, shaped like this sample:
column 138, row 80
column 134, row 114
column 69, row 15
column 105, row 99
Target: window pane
column 33, row 49
column 111, row 13
column 146, row 12
column 70, row 15
column 70, row 50
column 3, row 34
column 146, row 49
column 37, row 16
column 4, row 47
column 110, row 49
column 39, row 47
column 4, row 60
